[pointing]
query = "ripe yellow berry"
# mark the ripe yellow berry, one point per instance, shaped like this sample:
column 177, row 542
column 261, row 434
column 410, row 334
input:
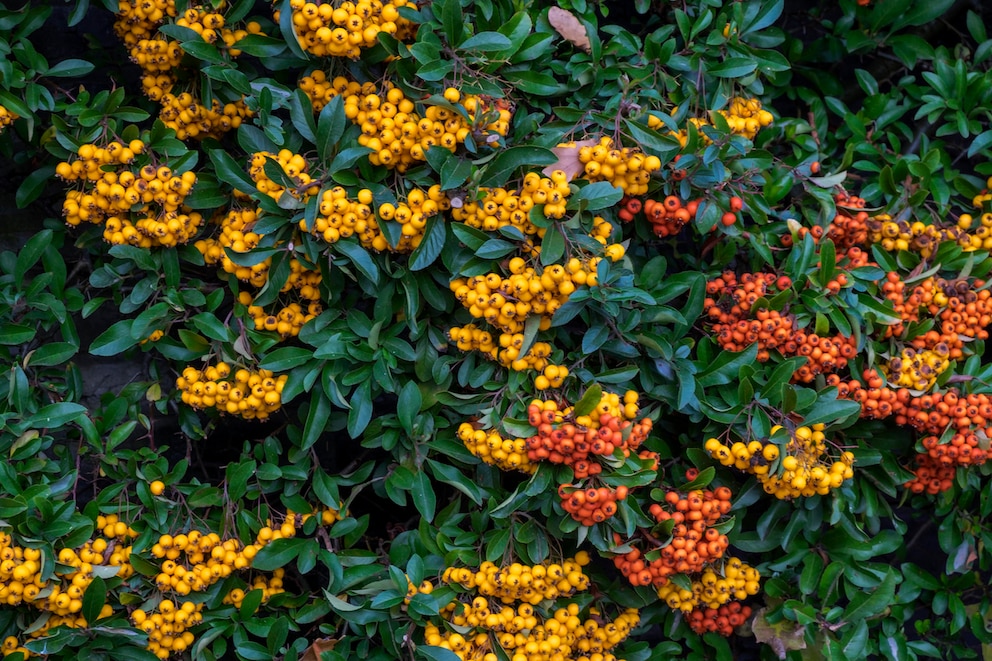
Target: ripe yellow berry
column 157, row 487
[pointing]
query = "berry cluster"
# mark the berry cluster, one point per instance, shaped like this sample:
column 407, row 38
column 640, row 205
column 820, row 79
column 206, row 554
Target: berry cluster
column 236, row 234
column 270, row 585
column 397, row 134
column 592, row 505
column 744, row 117
column 142, row 208
column 576, row 438
column 287, row 321
column 696, row 537
column 917, row 237
column 722, row 620
column 736, row 581
column 730, row 303
column 490, row 447
column 788, row 469
column 339, row 217
column 506, row 352
column 344, row 31
column 160, row 60
column 168, row 627
column 498, row 207
column 7, row 118
column 669, row 216
column 553, row 376
column 515, row 607
column 917, row 369
column 626, row 168
column 250, row 394
column 293, row 166
column 412, row 215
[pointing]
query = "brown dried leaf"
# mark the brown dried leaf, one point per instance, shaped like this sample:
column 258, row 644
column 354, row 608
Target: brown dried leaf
column 317, row 648
column 569, row 27
column 568, row 159
column 781, row 636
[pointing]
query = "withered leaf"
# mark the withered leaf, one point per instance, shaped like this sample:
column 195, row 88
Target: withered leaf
column 317, row 648
column 781, row 636
column 569, row 27
column 568, row 159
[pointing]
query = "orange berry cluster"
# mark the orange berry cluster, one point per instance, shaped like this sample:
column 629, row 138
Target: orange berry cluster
column 168, row 627
column 490, row 447
column 696, row 540
column 498, row 207
column 344, row 31
column 669, row 216
column 722, row 620
column 250, row 394
column 7, row 117
column 397, row 134
column 142, row 208
column 932, row 477
column 744, row 116
column 802, row 470
column 917, row 369
column 713, row 588
column 592, row 505
column 907, row 307
column 564, row 437
column 770, row 329
column 507, row 352
column 626, row 168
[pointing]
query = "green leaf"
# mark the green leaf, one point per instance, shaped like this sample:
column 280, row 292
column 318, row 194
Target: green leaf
column 33, row 186
column 589, row 400
column 286, row 358
column 93, row 599
column 486, row 42
column 114, row 340
column 449, row 13
column 600, row 195
column 288, row 31
column 278, row 553
column 408, row 405
column 434, row 653
column 29, row 255
column 498, row 170
column 435, row 235
column 360, row 259
column 230, row 172
column 52, row 354
column 733, row 67
column 361, row 409
column 423, row 495
column 71, row 68
column 56, row 415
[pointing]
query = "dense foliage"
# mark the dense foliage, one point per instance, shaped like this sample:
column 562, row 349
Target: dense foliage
column 496, row 330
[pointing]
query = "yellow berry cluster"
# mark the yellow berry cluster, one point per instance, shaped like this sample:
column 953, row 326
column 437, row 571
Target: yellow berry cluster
column 270, row 585
column 803, row 470
column 293, row 165
column 412, row 214
column 236, row 234
column 250, row 394
column 340, row 217
column 713, row 588
column 744, row 116
column 498, row 207
column 142, row 208
column 519, row 582
column 139, row 19
column 506, row 352
column 490, row 447
column 210, row 26
column 392, row 128
column 168, row 626
column 553, row 376
column 189, row 118
column 628, row 169
column 11, row 645
column 525, row 631
column 344, row 31
column 507, row 302
column 922, row 238
column 7, row 118
column 981, row 237
column 287, row 321
column 917, row 369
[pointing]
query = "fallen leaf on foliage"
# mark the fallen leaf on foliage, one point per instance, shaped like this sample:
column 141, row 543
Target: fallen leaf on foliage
column 568, row 159
column 569, row 27
column 317, row 648
column 781, row 636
